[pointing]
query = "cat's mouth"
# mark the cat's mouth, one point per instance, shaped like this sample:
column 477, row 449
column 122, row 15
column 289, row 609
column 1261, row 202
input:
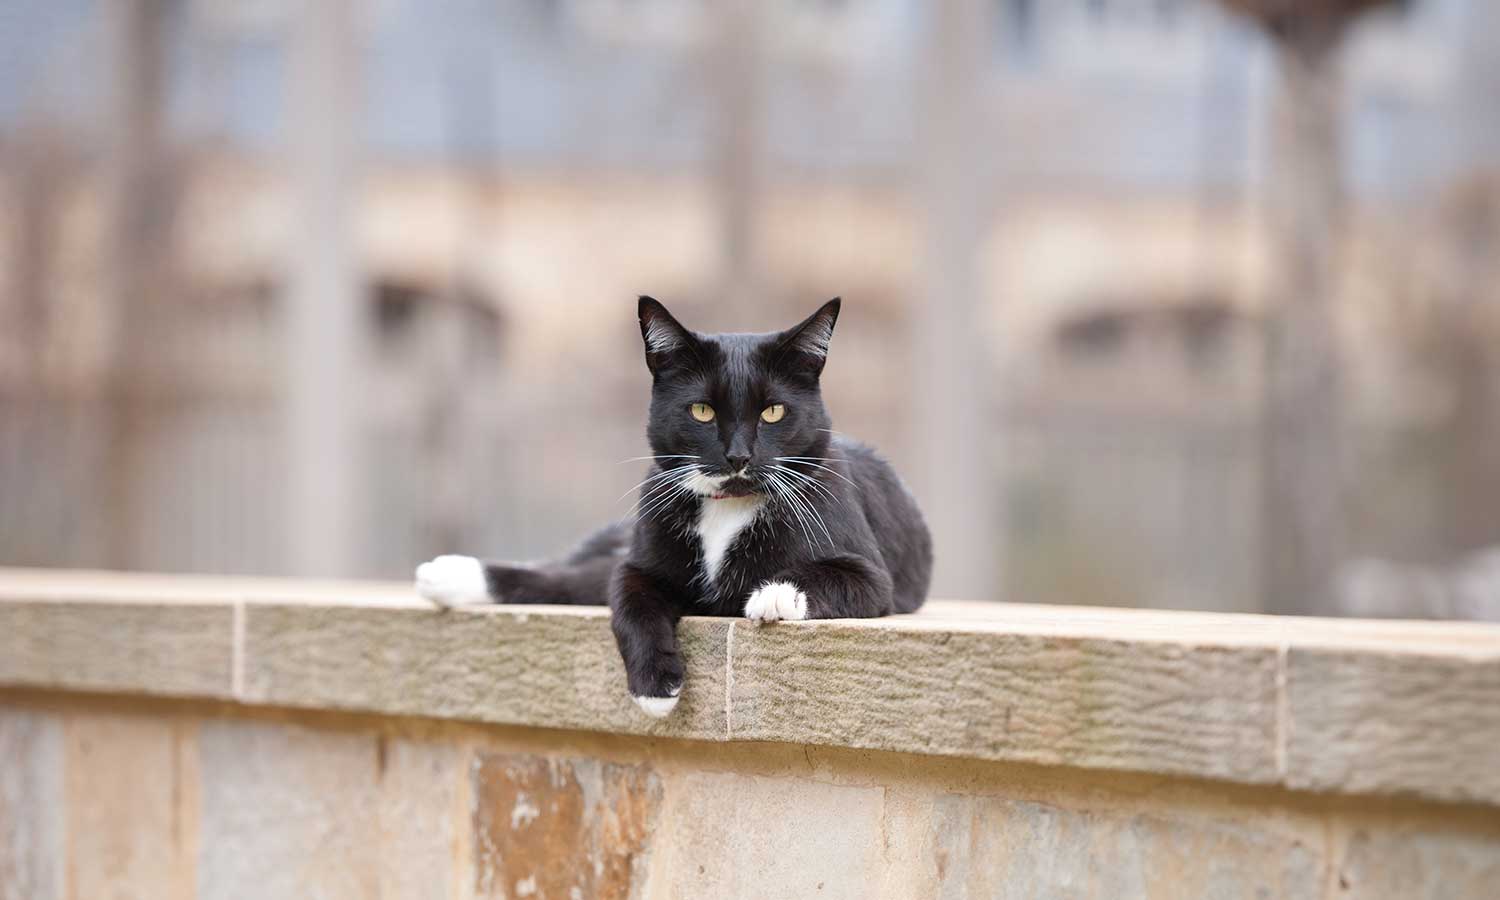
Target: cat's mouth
column 735, row 486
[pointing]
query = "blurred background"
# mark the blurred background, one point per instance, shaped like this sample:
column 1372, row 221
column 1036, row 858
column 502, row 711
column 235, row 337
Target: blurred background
column 1171, row 303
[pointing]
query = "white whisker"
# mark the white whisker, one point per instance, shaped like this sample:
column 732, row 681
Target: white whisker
column 659, row 475
column 808, row 462
column 662, row 456
column 657, row 490
column 813, row 509
column 664, row 494
column 802, row 506
column 783, row 492
column 810, row 481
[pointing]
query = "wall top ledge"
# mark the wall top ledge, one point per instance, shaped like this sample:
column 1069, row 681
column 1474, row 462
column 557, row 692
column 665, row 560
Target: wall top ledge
column 1343, row 706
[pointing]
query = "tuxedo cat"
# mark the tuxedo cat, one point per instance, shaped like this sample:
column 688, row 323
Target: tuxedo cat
column 752, row 507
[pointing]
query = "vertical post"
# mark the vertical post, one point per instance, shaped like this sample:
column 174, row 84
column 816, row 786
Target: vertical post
column 134, row 253
column 738, row 68
column 1477, row 126
column 1302, row 522
column 321, row 395
column 956, row 421
column 1468, row 355
column 35, row 216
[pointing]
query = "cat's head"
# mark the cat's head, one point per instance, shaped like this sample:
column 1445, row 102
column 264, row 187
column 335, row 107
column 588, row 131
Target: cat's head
column 737, row 406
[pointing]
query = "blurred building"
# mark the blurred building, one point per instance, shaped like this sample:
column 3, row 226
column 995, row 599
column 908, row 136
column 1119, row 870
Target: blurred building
column 521, row 169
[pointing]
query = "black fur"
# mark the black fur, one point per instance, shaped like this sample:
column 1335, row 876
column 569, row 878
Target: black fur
column 852, row 539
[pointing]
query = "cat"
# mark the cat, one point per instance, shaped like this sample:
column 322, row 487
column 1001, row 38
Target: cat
column 753, row 506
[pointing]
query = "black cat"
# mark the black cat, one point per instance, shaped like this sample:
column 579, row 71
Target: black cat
column 752, row 507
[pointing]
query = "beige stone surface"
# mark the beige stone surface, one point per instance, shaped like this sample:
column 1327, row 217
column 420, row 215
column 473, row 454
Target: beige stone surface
column 33, row 820
column 732, row 835
column 1390, row 722
column 100, row 799
column 553, row 668
column 568, row 827
column 424, row 804
column 1000, row 848
column 1155, row 706
column 290, row 812
column 1412, row 864
column 132, row 803
column 170, row 649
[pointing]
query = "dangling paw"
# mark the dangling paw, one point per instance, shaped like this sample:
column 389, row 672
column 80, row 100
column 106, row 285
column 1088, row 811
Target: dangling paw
column 659, row 707
column 776, row 600
column 451, row 581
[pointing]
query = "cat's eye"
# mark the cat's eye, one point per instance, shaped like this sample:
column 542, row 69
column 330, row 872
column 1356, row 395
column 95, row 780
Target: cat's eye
column 773, row 413
column 703, row 412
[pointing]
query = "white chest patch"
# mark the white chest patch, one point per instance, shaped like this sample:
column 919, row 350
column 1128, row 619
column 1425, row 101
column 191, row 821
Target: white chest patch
column 719, row 523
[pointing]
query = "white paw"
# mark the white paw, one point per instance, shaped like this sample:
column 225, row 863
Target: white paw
column 658, row 707
column 453, row 581
column 776, row 600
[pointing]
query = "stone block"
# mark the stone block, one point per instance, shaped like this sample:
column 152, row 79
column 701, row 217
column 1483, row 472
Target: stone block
column 33, row 818
column 291, row 812
column 563, row 828
column 1378, row 720
column 132, row 807
column 1175, row 707
column 1001, row 848
column 1413, row 864
column 551, row 669
column 732, row 835
column 178, row 649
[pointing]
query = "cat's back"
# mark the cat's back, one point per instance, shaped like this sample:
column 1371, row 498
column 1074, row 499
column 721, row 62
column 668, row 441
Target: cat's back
column 894, row 517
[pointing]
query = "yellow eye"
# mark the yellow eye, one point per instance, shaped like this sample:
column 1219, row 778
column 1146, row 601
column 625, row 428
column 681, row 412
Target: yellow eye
column 773, row 413
column 703, row 412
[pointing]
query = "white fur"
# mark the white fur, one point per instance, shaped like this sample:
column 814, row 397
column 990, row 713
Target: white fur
column 776, row 600
column 657, row 707
column 453, row 581
column 661, row 337
column 719, row 523
column 816, row 338
column 704, row 485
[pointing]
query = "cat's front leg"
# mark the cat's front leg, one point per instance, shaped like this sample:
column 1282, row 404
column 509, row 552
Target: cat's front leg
column 644, row 620
column 837, row 587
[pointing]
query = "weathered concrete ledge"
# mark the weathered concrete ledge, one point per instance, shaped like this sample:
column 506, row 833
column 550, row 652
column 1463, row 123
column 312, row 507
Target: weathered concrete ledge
column 1352, row 707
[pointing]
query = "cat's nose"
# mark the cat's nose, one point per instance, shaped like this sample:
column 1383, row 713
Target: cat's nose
column 737, row 454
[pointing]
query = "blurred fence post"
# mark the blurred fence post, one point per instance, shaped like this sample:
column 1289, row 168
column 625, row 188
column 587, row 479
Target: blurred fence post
column 136, row 235
column 1468, row 311
column 35, row 155
column 1302, row 521
column 737, row 67
column 954, row 414
column 321, row 395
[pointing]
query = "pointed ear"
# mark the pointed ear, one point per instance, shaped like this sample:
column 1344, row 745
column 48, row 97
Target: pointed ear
column 807, row 343
column 667, row 342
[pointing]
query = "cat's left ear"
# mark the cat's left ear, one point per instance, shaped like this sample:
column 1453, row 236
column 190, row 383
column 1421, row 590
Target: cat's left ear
column 809, row 340
column 667, row 342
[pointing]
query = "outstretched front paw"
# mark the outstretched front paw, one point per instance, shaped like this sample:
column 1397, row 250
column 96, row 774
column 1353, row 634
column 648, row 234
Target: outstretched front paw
column 776, row 600
column 453, row 581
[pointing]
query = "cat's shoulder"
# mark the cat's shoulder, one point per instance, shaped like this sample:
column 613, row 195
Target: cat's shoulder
column 856, row 450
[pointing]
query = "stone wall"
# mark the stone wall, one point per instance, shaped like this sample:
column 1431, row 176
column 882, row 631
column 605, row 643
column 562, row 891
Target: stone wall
column 202, row 738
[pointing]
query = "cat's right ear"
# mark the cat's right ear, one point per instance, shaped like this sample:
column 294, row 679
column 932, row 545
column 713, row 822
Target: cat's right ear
column 667, row 342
